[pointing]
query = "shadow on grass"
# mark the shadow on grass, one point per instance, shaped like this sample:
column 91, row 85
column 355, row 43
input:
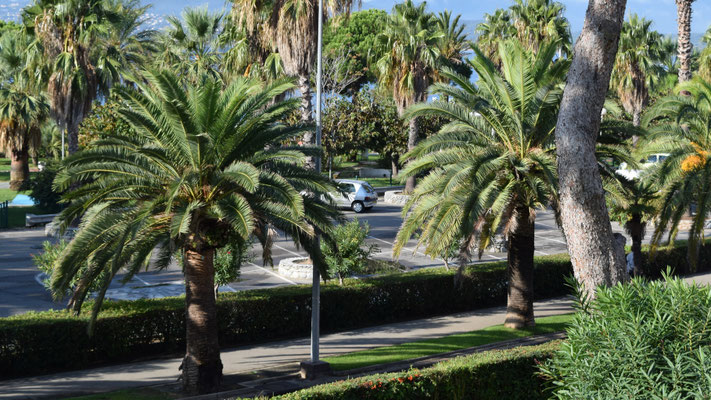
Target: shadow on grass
column 406, row 351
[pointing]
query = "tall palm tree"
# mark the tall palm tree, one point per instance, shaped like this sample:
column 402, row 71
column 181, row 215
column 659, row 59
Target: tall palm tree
column 492, row 166
column 638, row 67
column 23, row 107
column 705, row 56
column 193, row 177
column 293, row 26
column 685, row 47
column 409, row 65
column 682, row 128
column 191, row 45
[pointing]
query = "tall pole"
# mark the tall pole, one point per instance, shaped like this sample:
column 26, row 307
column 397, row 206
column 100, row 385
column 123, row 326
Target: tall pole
column 316, row 285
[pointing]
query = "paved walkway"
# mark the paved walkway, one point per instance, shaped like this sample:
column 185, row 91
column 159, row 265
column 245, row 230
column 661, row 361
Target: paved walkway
column 253, row 358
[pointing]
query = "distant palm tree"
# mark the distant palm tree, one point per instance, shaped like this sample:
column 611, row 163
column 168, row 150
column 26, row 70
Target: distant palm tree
column 293, row 26
column 492, row 166
column 685, row 47
column 410, row 63
column 638, row 66
column 681, row 126
column 453, row 43
column 193, row 177
column 191, row 46
column 495, row 28
column 532, row 22
column 539, row 21
column 23, row 106
column 705, row 56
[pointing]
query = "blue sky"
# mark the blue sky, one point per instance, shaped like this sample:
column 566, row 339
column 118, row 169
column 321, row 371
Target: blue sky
column 662, row 12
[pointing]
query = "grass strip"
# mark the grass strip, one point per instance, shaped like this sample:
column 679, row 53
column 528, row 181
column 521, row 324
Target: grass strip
column 407, row 351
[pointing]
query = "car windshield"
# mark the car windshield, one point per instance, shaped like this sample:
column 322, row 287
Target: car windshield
column 346, row 187
column 652, row 159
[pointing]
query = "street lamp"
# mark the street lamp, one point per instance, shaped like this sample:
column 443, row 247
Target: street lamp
column 314, row 367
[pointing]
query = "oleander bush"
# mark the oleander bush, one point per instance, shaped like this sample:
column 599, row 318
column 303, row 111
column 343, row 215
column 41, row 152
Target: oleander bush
column 492, row 375
column 641, row 340
column 39, row 342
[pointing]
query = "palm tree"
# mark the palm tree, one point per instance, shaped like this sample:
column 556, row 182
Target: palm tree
column 637, row 67
column 539, row 21
column 492, row 166
column 685, row 47
column 682, row 128
column 293, row 26
column 409, row 65
column 495, row 28
column 453, row 43
column 705, row 56
column 191, row 46
column 633, row 203
column 193, row 177
column 23, row 107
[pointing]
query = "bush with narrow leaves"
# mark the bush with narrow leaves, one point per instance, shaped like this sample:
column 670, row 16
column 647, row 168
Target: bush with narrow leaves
column 350, row 254
column 641, row 340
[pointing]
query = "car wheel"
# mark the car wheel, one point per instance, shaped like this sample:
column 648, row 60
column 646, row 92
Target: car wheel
column 358, row 207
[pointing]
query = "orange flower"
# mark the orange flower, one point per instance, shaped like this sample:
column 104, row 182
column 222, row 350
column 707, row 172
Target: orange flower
column 401, row 380
column 409, row 378
column 695, row 161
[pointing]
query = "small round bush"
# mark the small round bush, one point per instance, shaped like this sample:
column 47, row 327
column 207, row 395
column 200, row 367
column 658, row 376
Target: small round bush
column 641, row 340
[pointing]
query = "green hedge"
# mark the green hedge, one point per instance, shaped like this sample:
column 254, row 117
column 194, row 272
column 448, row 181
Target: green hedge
column 41, row 342
column 496, row 375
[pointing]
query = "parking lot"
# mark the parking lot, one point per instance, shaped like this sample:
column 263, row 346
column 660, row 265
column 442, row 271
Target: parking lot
column 21, row 291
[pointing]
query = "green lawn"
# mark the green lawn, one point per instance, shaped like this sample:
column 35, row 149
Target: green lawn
column 406, row 351
column 7, row 195
column 16, row 218
column 128, row 394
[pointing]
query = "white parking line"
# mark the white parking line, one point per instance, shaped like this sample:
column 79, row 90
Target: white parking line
column 273, row 273
column 139, row 278
column 494, row 257
column 542, row 252
column 413, row 251
column 288, row 251
column 551, row 240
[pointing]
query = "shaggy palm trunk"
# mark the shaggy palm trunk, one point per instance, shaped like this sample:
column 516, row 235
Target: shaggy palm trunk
column 202, row 368
column 307, row 116
column 684, row 45
column 635, row 227
column 413, row 133
column 394, row 161
column 519, row 306
column 594, row 252
column 19, row 168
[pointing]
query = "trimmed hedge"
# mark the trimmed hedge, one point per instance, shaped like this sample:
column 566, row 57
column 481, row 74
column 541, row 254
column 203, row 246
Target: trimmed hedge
column 493, row 375
column 41, row 342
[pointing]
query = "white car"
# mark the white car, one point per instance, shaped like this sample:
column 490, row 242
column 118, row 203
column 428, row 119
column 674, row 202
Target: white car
column 635, row 173
column 359, row 196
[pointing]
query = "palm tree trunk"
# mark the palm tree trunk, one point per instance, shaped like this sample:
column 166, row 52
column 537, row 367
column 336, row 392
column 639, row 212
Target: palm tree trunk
column 19, row 168
column 413, row 133
column 636, row 228
column 202, row 368
column 684, row 45
column 519, row 306
column 394, row 160
column 309, row 138
column 594, row 252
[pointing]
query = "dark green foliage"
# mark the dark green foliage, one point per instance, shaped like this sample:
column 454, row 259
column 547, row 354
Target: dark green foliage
column 46, row 261
column 142, row 328
column 350, row 254
column 642, row 340
column 41, row 190
column 508, row 374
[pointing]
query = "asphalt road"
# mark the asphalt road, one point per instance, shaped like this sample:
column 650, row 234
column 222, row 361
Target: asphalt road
column 21, row 291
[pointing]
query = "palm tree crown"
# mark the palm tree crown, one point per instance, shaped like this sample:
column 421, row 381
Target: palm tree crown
column 493, row 165
column 194, row 177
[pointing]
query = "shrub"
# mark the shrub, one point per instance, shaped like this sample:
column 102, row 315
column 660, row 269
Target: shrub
column 40, row 187
column 642, row 340
column 501, row 374
column 349, row 253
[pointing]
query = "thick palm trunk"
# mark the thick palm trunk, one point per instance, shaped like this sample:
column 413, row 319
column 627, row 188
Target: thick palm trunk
column 636, row 228
column 19, row 168
column 684, row 45
column 202, row 368
column 413, row 133
column 594, row 252
column 394, row 161
column 519, row 306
